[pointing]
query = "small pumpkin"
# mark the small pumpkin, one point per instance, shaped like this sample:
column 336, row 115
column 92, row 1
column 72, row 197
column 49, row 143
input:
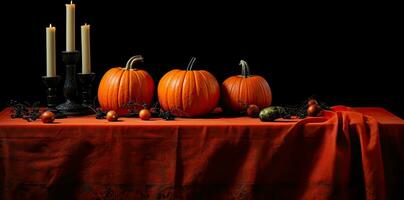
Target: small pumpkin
column 120, row 86
column 188, row 93
column 245, row 89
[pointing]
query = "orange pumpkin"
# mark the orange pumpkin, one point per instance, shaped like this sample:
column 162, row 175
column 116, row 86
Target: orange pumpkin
column 188, row 93
column 245, row 89
column 119, row 86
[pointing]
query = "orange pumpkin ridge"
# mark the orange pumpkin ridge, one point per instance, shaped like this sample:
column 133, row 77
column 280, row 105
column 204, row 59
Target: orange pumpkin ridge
column 188, row 93
column 245, row 89
column 119, row 86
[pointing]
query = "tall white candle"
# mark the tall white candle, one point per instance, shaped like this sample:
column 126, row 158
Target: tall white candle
column 70, row 26
column 85, row 49
column 51, row 51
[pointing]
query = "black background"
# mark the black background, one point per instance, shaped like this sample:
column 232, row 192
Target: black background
column 345, row 54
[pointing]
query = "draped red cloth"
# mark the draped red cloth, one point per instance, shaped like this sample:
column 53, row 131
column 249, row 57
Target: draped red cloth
column 346, row 154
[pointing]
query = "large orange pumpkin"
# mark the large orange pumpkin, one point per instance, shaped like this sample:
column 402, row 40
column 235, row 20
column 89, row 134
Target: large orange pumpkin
column 120, row 86
column 188, row 93
column 245, row 89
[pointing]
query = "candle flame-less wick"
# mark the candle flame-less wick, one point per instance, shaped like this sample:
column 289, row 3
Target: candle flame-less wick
column 50, row 25
column 71, row 2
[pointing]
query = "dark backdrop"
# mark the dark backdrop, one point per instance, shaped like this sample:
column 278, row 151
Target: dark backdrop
column 344, row 54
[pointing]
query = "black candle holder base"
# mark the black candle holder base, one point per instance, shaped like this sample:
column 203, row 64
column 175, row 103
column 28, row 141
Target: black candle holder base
column 86, row 85
column 51, row 84
column 58, row 114
column 72, row 108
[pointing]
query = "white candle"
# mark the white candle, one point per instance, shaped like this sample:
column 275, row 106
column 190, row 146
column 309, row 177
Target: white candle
column 85, row 49
column 50, row 51
column 70, row 27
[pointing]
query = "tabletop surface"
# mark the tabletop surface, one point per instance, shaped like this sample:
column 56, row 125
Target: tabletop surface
column 380, row 114
column 205, row 158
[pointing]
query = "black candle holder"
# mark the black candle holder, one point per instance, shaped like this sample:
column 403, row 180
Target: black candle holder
column 72, row 106
column 51, row 84
column 86, row 83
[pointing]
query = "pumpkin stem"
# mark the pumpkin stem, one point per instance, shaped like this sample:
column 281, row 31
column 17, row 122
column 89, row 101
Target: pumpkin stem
column 191, row 63
column 132, row 60
column 245, row 70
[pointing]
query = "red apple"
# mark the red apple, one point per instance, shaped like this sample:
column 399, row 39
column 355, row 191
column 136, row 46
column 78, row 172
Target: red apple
column 312, row 102
column 144, row 114
column 47, row 117
column 112, row 116
column 313, row 110
column 253, row 110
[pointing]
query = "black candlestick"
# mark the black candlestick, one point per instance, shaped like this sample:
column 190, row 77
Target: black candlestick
column 72, row 106
column 86, row 83
column 51, row 84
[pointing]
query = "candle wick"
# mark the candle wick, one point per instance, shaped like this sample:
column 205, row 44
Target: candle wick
column 50, row 25
column 71, row 2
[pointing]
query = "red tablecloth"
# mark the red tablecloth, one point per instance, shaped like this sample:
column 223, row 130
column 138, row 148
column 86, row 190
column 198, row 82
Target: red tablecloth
column 355, row 154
